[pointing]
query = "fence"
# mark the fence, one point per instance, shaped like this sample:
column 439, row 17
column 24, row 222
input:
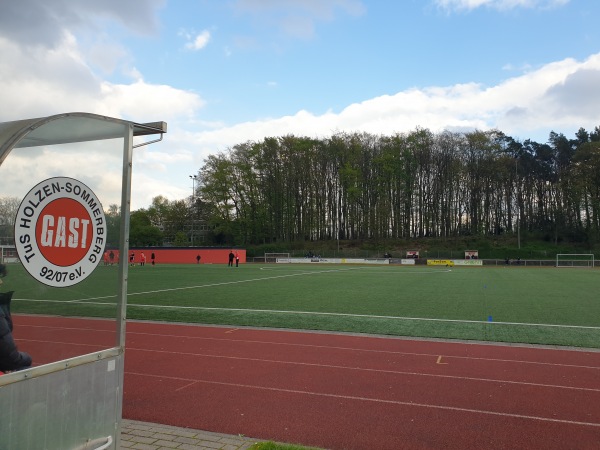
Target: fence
column 485, row 262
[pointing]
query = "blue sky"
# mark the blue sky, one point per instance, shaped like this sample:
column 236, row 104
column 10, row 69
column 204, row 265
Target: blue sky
column 222, row 72
column 273, row 61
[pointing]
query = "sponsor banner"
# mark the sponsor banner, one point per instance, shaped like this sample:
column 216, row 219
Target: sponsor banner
column 468, row 262
column 336, row 261
column 407, row 262
column 298, row 260
column 60, row 232
column 440, row 262
column 471, row 254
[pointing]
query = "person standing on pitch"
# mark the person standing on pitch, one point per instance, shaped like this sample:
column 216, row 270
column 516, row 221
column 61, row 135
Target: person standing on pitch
column 231, row 256
column 11, row 358
column 237, row 259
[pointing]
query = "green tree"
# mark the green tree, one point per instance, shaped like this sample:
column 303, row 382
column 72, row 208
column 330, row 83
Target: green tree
column 141, row 231
column 181, row 239
column 113, row 225
column 586, row 172
column 8, row 212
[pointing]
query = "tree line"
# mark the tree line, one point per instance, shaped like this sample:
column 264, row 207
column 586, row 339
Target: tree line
column 360, row 186
column 407, row 185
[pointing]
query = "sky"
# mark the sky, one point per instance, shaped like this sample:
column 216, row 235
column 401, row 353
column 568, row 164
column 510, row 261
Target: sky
column 224, row 72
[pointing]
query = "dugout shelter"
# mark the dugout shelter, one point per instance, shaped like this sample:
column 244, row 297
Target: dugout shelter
column 67, row 168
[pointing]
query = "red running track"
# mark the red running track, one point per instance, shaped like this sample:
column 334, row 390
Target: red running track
column 341, row 391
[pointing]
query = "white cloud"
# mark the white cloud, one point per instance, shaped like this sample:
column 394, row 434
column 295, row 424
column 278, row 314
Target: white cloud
column 559, row 96
column 297, row 18
column 50, row 82
column 38, row 80
column 40, row 23
column 141, row 99
column 107, row 56
column 199, row 41
column 499, row 4
column 42, row 82
column 320, row 9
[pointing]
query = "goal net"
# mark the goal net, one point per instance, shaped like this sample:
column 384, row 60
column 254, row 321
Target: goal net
column 575, row 260
column 277, row 258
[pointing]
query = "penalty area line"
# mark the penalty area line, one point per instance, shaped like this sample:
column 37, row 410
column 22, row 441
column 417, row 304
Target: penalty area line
column 183, row 288
column 227, row 283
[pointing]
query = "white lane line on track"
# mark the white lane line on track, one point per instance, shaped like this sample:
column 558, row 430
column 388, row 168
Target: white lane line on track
column 327, row 347
column 395, row 372
column 362, row 369
column 392, row 352
column 374, row 400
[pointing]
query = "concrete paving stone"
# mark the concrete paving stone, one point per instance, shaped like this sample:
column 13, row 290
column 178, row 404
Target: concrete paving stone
column 232, row 441
column 230, row 447
column 191, row 447
column 139, row 426
column 205, row 436
column 210, row 444
column 185, row 440
column 140, row 446
column 165, row 436
column 142, row 439
column 144, row 433
column 134, row 435
column 168, row 444
column 183, row 432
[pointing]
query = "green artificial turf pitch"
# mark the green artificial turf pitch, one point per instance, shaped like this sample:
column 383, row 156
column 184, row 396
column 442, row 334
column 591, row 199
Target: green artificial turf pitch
column 504, row 304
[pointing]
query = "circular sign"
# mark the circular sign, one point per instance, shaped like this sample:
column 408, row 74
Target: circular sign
column 60, row 232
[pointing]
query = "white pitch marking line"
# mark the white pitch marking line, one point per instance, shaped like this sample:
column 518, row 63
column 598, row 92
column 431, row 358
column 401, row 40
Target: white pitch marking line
column 316, row 313
column 319, row 313
column 376, row 400
column 374, row 269
column 224, row 283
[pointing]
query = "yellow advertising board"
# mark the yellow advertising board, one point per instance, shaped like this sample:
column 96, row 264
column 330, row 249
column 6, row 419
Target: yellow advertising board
column 440, row 262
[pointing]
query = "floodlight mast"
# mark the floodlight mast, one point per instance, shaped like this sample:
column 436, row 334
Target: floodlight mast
column 194, row 178
column 518, row 209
